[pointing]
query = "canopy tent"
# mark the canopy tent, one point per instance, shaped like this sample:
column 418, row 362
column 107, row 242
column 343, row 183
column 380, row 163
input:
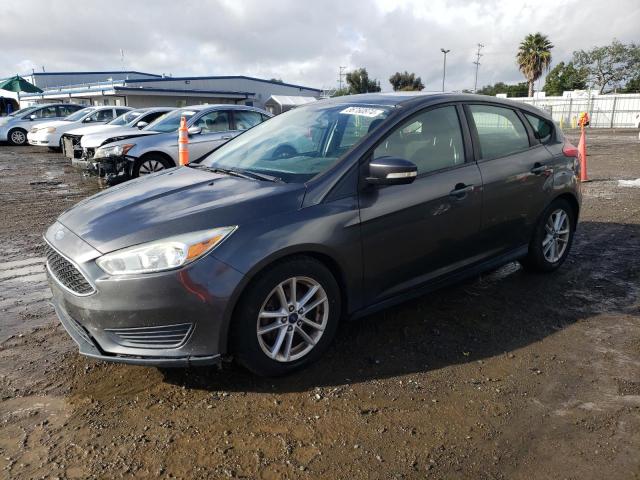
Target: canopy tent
column 18, row 84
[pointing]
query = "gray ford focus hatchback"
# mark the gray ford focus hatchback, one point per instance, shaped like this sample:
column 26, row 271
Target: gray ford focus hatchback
column 327, row 212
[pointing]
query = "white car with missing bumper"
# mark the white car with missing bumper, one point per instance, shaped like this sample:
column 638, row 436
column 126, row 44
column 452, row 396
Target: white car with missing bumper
column 48, row 134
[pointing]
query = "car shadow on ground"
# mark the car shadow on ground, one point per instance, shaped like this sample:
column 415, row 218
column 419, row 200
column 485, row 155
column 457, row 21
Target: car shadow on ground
column 491, row 315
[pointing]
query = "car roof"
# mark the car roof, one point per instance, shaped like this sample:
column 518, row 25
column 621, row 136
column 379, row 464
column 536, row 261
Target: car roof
column 222, row 106
column 411, row 99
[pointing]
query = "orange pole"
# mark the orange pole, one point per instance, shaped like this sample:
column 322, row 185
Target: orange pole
column 183, row 143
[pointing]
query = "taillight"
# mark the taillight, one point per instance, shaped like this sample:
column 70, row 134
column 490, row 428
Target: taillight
column 569, row 150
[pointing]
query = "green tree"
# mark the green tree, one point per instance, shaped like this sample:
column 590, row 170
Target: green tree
column 610, row 66
column 565, row 77
column 517, row 90
column 276, row 80
column 632, row 86
column 340, row 92
column 359, row 82
column 534, row 57
column 406, row 82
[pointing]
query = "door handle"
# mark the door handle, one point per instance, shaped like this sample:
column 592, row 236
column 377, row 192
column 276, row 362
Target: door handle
column 539, row 168
column 460, row 190
column 226, row 137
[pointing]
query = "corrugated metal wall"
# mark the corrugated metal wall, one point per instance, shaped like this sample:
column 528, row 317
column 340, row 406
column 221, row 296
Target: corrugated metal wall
column 606, row 111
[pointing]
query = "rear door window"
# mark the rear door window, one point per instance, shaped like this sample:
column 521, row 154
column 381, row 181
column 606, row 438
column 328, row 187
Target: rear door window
column 245, row 119
column 542, row 129
column 500, row 131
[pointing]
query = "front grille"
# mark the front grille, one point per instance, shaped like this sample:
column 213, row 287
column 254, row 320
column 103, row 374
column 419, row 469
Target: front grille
column 67, row 274
column 165, row 336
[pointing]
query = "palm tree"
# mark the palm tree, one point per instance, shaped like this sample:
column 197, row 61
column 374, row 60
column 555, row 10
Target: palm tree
column 534, row 57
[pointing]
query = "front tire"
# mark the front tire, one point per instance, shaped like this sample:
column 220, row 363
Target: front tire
column 287, row 317
column 552, row 238
column 17, row 136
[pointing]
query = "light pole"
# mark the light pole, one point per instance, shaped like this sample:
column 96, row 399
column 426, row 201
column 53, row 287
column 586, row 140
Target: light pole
column 444, row 66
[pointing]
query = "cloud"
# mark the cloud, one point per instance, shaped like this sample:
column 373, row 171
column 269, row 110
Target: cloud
column 302, row 42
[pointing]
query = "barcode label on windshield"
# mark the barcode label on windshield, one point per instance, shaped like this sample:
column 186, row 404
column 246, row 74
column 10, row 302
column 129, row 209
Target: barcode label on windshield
column 362, row 111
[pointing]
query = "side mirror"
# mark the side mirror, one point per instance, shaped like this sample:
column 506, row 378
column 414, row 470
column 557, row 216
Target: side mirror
column 32, row 117
column 141, row 124
column 194, row 130
column 391, row 171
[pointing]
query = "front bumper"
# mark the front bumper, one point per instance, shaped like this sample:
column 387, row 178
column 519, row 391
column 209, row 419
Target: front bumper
column 40, row 140
column 174, row 318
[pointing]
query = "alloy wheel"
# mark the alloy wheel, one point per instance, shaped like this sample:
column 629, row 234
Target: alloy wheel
column 557, row 233
column 150, row 166
column 292, row 319
column 18, row 137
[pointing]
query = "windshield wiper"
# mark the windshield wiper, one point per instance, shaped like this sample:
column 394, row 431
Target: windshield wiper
column 248, row 174
column 264, row 176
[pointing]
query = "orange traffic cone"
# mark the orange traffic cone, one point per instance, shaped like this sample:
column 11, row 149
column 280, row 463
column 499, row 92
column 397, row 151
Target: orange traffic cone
column 183, row 143
column 582, row 146
column 582, row 152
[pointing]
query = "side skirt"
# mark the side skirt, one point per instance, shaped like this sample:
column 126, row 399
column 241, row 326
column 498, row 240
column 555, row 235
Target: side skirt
column 443, row 281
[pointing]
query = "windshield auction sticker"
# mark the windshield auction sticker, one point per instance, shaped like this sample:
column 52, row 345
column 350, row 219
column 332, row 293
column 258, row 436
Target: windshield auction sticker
column 362, row 111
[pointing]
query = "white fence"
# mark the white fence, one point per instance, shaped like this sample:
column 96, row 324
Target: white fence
column 605, row 111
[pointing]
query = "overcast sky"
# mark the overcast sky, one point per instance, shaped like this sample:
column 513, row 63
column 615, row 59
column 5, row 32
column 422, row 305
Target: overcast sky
column 301, row 41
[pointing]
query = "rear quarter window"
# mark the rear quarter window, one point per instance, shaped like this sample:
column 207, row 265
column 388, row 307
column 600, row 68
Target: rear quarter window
column 542, row 129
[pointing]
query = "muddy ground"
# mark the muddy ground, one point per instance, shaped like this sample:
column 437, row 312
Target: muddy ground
column 507, row 376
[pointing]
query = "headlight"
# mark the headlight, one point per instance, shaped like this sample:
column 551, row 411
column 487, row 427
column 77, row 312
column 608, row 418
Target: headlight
column 165, row 254
column 113, row 151
column 50, row 129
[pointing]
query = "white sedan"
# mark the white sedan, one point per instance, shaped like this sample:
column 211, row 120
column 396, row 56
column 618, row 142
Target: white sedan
column 48, row 134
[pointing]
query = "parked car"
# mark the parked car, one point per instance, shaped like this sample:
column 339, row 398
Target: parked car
column 49, row 134
column 127, row 123
column 155, row 147
column 14, row 127
column 261, row 248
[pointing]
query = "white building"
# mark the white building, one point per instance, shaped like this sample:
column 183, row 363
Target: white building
column 138, row 89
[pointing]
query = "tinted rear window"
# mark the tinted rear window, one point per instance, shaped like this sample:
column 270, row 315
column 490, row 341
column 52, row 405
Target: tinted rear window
column 542, row 129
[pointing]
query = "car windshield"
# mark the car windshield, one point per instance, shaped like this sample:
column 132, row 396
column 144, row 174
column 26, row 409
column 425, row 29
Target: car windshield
column 74, row 117
column 22, row 111
column 299, row 144
column 126, row 118
column 171, row 121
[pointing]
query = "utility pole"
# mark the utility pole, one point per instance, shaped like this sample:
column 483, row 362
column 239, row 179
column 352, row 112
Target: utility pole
column 444, row 66
column 477, row 64
column 341, row 74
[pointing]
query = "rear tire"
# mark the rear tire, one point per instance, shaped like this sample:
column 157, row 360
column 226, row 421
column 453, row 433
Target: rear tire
column 17, row 136
column 149, row 164
column 552, row 238
column 275, row 331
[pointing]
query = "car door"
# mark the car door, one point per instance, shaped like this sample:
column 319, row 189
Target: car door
column 215, row 130
column 414, row 233
column 516, row 175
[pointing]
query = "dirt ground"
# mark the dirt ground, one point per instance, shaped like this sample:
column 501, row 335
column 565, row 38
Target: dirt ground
column 507, row 376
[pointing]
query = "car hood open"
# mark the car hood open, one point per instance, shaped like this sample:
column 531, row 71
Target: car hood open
column 175, row 201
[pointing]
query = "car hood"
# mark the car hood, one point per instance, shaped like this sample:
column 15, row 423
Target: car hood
column 54, row 123
column 175, row 201
column 123, row 133
column 91, row 129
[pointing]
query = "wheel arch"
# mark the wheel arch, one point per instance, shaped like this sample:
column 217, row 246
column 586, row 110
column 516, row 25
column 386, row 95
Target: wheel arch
column 326, row 259
column 572, row 200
